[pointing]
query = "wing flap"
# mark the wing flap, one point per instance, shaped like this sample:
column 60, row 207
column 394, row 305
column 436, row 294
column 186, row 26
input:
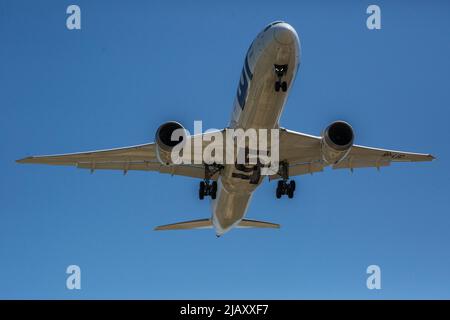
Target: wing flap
column 302, row 168
column 120, row 165
column 178, row 170
column 351, row 163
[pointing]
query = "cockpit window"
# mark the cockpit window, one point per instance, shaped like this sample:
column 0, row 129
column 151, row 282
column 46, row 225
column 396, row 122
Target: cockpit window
column 272, row 24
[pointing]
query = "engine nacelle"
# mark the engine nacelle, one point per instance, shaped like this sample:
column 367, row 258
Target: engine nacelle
column 337, row 140
column 164, row 142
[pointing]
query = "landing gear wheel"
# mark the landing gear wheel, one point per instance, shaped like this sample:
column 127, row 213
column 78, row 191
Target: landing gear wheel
column 278, row 193
column 285, row 187
column 281, row 187
column 292, row 185
column 277, row 86
column 214, row 190
column 280, row 184
column 290, row 192
column 280, row 71
column 201, row 190
column 207, row 189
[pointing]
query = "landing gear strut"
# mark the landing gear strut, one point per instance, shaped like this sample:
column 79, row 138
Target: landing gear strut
column 280, row 70
column 285, row 186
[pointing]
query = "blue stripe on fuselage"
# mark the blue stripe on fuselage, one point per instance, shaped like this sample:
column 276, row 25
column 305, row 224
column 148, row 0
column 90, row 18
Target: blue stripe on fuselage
column 247, row 68
column 244, row 83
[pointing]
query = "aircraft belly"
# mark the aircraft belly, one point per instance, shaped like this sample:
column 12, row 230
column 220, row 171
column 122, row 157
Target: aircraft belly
column 258, row 105
column 231, row 203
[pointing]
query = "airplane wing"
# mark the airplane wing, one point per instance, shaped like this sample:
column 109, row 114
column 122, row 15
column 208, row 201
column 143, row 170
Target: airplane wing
column 361, row 157
column 303, row 153
column 140, row 157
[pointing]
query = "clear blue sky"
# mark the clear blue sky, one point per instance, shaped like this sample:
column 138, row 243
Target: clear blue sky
column 136, row 64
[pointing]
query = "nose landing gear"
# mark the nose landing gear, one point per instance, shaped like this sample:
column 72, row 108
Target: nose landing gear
column 280, row 70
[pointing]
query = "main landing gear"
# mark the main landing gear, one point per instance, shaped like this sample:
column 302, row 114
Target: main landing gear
column 285, row 186
column 280, row 70
column 208, row 188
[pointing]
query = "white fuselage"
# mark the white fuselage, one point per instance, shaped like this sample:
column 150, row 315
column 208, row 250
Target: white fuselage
column 257, row 105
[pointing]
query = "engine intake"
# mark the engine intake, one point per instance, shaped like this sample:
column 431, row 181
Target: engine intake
column 165, row 142
column 337, row 140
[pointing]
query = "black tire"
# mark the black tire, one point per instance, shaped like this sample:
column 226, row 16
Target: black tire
column 277, row 86
column 290, row 192
column 292, row 185
column 278, row 193
column 213, row 190
column 201, row 190
column 284, row 86
column 280, row 184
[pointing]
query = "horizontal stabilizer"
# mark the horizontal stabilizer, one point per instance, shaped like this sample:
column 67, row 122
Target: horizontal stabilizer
column 207, row 223
column 257, row 224
column 194, row 224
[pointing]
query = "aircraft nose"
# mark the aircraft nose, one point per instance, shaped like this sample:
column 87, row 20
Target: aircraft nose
column 284, row 33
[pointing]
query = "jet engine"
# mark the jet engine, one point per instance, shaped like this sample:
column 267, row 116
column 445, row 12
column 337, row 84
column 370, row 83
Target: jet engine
column 337, row 140
column 167, row 137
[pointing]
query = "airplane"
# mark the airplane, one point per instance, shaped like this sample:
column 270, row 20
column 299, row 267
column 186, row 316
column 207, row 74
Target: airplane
column 270, row 67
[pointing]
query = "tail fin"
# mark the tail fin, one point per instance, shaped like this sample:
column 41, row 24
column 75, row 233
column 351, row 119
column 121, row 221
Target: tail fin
column 207, row 224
